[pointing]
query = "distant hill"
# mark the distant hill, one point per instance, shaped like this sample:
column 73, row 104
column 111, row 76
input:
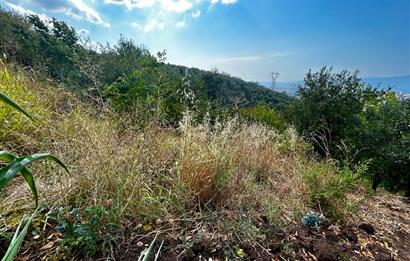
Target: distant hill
column 400, row 84
column 228, row 90
column 57, row 51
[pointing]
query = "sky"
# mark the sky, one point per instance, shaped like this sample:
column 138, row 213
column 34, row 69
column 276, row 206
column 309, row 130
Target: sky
column 249, row 38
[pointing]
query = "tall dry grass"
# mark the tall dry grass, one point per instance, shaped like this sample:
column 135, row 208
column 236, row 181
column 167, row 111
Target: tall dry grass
column 155, row 173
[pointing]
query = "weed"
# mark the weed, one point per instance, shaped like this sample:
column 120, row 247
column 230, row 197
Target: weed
column 83, row 233
column 328, row 187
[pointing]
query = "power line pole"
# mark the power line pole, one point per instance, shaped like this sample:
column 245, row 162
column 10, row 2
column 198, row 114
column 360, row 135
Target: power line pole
column 275, row 76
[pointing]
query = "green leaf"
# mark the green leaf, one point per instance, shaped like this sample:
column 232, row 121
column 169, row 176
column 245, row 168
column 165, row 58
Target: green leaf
column 159, row 251
column 240, row 252
column 7, row 156
column 17, row 239
column 19, row 165
column 11, row 103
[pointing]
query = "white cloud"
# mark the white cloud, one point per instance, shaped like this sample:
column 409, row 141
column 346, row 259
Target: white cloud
column 131, row 4
column 27, row 12
column 196, row 14
column 228, row 2
column 180, row 24
column 153, row 25
column 83, row 31
column 136, row 25
column 225, row 2
column 74, row 8
column 177, row 6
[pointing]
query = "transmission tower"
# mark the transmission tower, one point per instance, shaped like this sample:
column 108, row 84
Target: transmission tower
column 275, row 76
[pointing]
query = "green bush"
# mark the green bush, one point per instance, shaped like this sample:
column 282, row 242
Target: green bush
column 264, row 114
column 355, row 124
column 83, row 233
column 328, row 187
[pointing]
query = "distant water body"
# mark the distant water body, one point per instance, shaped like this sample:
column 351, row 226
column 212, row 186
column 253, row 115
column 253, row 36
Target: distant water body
column 400, row 84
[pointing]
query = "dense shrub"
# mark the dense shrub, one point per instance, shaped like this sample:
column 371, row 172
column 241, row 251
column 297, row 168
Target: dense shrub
column 355, row 123
column 328, row 186
column 263, row 114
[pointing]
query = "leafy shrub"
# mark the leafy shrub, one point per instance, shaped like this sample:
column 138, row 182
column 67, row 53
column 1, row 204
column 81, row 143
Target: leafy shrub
column 85, row 232
column 384, row 139
column 328, row 187
column 354, row 124
column 263, row 114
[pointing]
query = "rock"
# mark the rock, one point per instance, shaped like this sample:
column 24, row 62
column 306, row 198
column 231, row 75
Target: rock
column 367, row 228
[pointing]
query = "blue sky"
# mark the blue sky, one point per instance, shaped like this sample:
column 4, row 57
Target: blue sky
column 249, row 38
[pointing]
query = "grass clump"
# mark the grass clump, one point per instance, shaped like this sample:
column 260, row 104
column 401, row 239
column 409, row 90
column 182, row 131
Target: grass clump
column 12, row 122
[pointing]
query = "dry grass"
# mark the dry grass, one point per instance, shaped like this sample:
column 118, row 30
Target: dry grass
column 158, row 173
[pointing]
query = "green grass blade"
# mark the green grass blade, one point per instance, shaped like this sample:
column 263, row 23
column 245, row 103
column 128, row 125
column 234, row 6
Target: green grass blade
column 19, row 165
column 148, row 253
column 145, row 255
column 159, row 251
column 7, row 156
column 11, row 103
column 17, row 240
column 28, row 177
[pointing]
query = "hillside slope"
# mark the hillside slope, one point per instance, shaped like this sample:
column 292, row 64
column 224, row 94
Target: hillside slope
column 54, row 48
column 227, row 191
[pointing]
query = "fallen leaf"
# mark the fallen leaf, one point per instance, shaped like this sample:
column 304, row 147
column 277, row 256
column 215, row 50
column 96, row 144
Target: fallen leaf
column 48, row 246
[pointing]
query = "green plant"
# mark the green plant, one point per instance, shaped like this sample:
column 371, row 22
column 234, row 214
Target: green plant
column 17, row 165
column 84, row 232
column 147, row 253
column 18, row 238
column 264, row 114
column 311, row 220
column 328, row 187
column 11, row 103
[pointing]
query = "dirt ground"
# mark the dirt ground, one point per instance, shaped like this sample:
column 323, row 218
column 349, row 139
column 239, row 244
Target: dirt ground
column 379, row 231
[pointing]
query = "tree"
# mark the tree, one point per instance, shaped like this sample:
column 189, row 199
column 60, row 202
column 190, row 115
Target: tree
column 356, row 124
column 330, row 104
column 384, row 137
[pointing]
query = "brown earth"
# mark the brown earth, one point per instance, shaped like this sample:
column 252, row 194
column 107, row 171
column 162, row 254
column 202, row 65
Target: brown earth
column 379, row 230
